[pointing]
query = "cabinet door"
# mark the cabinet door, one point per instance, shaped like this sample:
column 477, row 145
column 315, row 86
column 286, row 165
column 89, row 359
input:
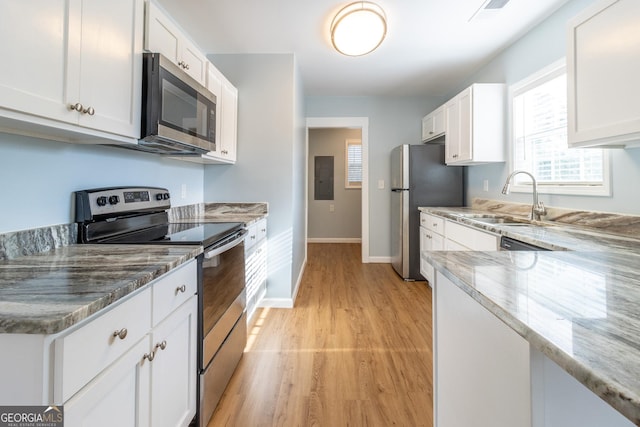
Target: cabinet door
column 173, row 368
column 111, row 66
column 452, row 140
column 229, row 122
column 117, row 397
column 603, row 66
column 465, row 143
column 439, row 121
column 34, row 36
column 193, row 61
column 161, row 35
column 427, row 127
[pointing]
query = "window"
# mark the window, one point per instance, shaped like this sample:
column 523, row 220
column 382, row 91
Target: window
column 353, row 163
column 539, row 139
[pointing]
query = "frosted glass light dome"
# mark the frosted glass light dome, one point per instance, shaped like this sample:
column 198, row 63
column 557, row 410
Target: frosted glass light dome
column 358, row 28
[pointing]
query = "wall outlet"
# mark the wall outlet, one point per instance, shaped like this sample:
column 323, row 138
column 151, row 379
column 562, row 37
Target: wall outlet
column 183, row 191
column 332, row 207
column 485, row 185
column 381, row 184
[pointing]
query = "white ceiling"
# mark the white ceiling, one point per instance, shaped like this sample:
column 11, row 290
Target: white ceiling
column 431, row 46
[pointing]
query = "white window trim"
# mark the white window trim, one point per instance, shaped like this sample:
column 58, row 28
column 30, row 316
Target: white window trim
column 350, row 185
column 549, row 72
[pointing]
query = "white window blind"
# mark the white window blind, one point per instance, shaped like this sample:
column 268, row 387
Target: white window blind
column 539, row 124
column 353, row 167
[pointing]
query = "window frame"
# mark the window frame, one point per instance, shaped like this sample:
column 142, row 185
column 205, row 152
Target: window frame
column 351, row 185
column 540, row 77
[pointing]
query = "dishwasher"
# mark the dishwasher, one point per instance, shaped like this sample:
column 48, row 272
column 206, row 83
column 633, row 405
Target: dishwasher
column 509, row 244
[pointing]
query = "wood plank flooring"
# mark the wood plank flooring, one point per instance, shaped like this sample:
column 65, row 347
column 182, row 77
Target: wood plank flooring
column 354, row 351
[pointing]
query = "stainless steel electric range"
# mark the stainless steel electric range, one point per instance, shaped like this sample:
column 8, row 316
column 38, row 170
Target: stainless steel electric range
column 138, row 215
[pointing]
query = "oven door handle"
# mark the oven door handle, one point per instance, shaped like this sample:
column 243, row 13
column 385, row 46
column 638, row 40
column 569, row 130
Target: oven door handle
column 239, row 237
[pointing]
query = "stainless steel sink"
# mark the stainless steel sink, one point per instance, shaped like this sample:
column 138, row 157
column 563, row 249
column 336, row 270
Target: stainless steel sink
column 503, row 221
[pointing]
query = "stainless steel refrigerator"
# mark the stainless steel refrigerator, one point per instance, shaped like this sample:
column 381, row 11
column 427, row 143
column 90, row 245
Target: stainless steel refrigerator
column 419, row 177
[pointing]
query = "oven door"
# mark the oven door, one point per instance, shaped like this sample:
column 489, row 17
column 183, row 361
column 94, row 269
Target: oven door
column 222, row 293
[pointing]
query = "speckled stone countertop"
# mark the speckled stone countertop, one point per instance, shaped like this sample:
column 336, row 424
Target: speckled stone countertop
column 47, row 292
column 579, row 305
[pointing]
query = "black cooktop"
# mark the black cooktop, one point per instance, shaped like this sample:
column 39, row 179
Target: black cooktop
column 204, row 234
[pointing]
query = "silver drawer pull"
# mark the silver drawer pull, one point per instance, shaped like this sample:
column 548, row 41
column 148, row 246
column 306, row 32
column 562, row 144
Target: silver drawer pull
column 182, row 289
column 150, row 356
column 90, row 111
column 162, row 345
column 122, row 333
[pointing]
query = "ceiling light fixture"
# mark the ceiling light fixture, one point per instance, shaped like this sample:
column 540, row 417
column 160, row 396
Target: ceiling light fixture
column 358, row 28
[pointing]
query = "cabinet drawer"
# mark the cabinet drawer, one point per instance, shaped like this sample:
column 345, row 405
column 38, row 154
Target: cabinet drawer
column 432, row 222
column 173, row 289
column 475, row 240
column 85, row 352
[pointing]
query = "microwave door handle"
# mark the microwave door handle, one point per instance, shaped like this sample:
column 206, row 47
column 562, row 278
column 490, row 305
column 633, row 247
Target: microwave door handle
column 235, row 242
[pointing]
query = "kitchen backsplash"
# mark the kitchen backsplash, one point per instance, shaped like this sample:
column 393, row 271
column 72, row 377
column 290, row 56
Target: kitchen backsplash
column 627, row 225
column 28, row 242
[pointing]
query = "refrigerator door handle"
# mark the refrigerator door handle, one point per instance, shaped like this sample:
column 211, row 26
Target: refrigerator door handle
column 398, row 190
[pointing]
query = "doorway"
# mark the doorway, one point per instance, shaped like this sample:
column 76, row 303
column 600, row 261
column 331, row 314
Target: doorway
column 361, row 123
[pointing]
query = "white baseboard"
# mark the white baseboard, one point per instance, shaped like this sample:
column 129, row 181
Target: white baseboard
column 334, row 240
column 295, row 290
column 379, row 260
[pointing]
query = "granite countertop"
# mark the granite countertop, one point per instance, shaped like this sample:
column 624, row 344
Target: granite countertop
column 47, row 292
column 577, row 305
column 247, row 213
column 48, row 284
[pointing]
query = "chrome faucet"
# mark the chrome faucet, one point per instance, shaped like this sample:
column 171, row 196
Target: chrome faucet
column 537, row 208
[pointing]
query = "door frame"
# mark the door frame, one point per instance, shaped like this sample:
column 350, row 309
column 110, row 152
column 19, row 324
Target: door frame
column 361, row 123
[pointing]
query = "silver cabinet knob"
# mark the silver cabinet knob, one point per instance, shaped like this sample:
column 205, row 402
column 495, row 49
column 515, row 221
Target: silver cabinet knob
column 77, row 107
column 150, row 356
column 90, row 111
column 182, row 289
column 122, row 333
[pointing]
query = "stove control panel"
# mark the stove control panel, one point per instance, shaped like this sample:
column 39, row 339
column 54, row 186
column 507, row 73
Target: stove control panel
column 119, row 201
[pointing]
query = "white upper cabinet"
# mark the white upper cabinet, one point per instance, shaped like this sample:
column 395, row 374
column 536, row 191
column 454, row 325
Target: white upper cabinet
column 433, row 124
column 71, row 61
column 164, row 36
column 226, row 120
column 603, row 69
column 475, row 125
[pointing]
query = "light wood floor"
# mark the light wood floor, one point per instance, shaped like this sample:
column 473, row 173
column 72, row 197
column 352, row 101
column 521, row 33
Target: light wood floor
column 354, row 351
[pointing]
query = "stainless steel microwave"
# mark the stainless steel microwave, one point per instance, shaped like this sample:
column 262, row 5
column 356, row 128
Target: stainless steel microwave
column 178, row 113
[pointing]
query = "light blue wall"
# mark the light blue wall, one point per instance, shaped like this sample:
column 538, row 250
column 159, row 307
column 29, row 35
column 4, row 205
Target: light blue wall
column 299, row 195
column 392, row 121
column 270, row 144
column 540, row 47
column 38, row 176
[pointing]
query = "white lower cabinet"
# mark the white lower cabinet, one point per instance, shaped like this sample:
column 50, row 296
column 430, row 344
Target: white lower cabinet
column 256, row 265
column 173, row 368
column 481, row 366
column 132, row 364
column 431, row 239
column 438, row 234
column 119, row 396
